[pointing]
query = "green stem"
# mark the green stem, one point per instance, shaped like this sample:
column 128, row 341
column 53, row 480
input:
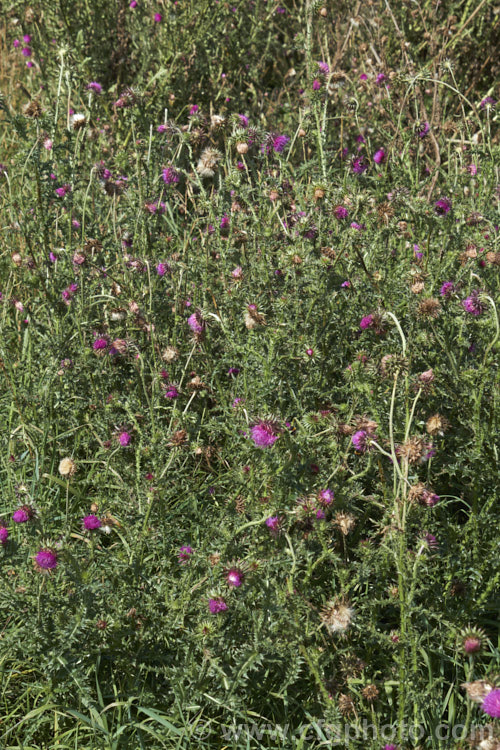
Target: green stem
column 410, row 419
column 497, row 333
column 398, row 326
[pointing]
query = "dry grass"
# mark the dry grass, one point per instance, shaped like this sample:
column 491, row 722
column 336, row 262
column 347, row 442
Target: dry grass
column 11, row 90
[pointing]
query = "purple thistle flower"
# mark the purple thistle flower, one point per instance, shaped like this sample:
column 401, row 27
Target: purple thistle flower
column 442, row 206
column 390, row 747
column 491, row 704
column 91, row 522
column 423, row 129
column 124, row 438
column 95, row 87
column 311, row 232
column 237, row 273
column 26, row 52
column 487, row 101
column 194, row 109
column 360, row 440
column 279, row 143
column 196, row 322
column 185, row 553
column 275, row 142
column 316, row 84
column 155, row 207
column 447, row 289
column 217, row 605
column 170, row 176
column 162, row 268
column 99, row 344
column 426, row 377
column 366, row 322
column 233, row 372
column 326, row 497
column 380, row 79
column 46, row 559
column 234, row 577
column 430, row 498
column 273, row 523
column 23, row 514
column 340, row 212
column 472, row 645
column 244, row 121
column 171, row 392
column 4, row 534
column 379, row 156
column 264, row 433
column 472, row 304
column 157, row 17
column 324, row 68
column 358, row 165
column 61, row 191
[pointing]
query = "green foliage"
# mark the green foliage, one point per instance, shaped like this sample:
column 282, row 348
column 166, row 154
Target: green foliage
column 316, row 282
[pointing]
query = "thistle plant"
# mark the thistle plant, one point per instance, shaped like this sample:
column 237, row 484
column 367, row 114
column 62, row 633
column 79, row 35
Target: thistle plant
column 249, row 317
